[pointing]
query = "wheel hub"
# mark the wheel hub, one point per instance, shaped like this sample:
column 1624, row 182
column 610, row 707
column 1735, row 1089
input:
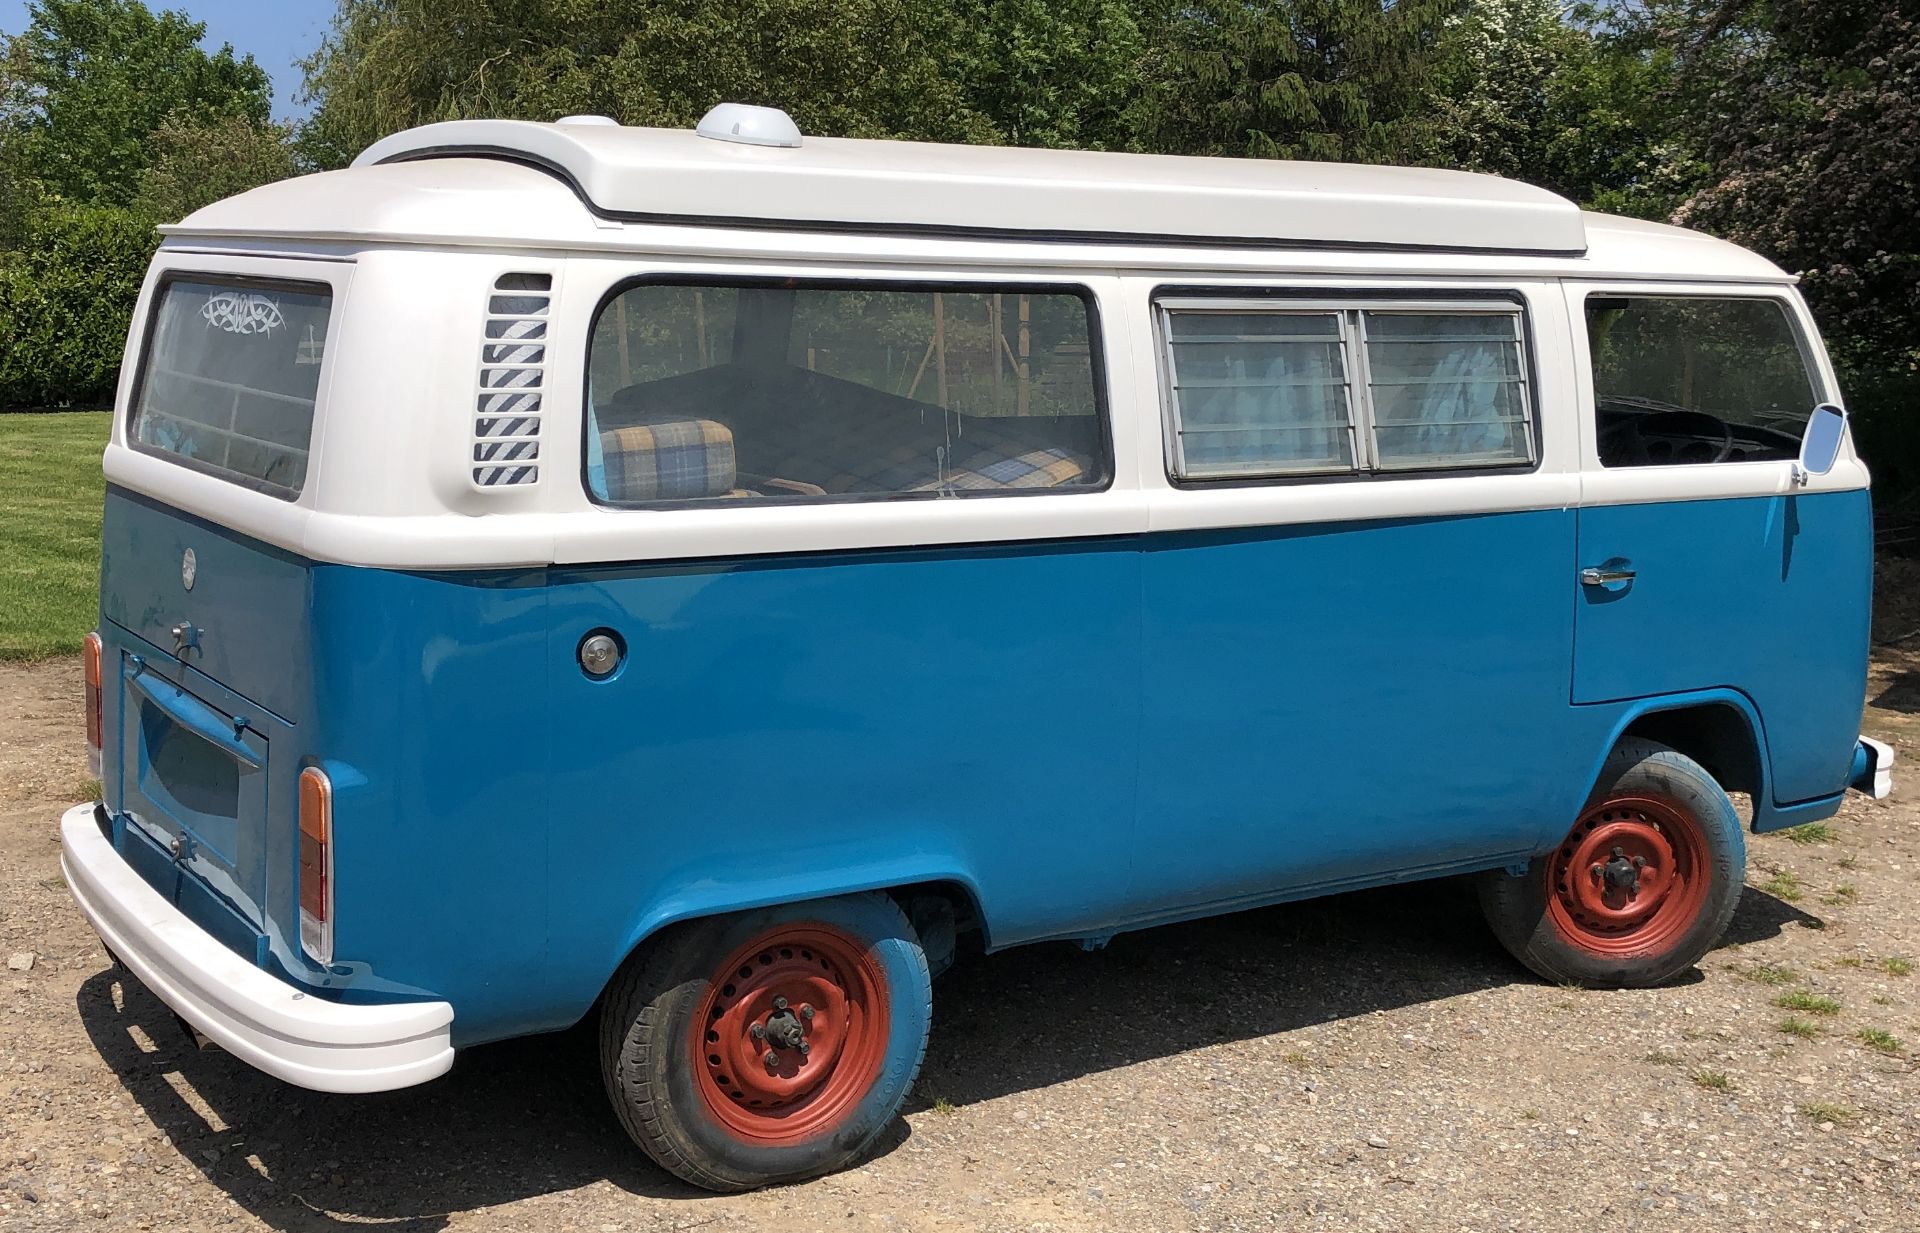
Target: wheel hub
column 783, row 1029
column 1629, row 865
column 1629, row 877
column 791, row 1031
column 1622, row 873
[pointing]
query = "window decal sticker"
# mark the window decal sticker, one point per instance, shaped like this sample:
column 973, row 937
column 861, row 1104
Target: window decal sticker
column 243, row 312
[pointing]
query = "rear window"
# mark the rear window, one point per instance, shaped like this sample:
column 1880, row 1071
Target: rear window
column 229, row 377
column 757, row 392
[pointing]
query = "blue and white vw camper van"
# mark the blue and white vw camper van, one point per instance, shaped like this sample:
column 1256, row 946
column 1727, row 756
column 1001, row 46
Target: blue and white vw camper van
column 693, row 578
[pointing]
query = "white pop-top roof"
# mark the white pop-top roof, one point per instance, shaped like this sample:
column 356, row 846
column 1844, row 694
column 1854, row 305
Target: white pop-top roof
column 833, row 184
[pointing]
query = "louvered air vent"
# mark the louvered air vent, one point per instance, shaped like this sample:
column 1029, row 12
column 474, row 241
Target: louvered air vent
column 513, row 358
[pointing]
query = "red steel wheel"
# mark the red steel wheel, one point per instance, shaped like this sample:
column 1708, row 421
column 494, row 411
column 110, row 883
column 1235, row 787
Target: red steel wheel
column 791, row 1034
column 1631, row 878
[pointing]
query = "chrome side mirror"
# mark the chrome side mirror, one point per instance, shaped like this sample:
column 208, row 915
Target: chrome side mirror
column 1820, row 447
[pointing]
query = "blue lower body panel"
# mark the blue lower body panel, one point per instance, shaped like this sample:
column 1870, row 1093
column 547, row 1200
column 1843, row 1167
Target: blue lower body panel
column 1081, row 736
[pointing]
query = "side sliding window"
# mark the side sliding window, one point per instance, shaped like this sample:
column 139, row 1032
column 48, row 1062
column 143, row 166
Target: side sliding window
column 1270, row 389
column 753, row 391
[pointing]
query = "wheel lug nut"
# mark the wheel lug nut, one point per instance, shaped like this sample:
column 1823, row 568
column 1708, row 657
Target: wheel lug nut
column 806, row 1011
column 779, row 1003
column 759, row 1031
column 804, row 1048
column 772, row 1058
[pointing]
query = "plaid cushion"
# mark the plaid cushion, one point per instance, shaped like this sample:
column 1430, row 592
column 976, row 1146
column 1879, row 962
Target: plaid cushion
column 846, row 438
column 902, row 454
column 672, row 460
column 846, row 454
column 1047, row 468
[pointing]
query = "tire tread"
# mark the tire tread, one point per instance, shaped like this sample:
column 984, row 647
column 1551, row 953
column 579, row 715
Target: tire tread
column 635, row 1012
column 1508, row 901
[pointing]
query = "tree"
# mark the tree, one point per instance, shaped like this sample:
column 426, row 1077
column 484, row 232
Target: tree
column 1493, row 93
column 1811, row 122
column 65, row 296
column 1319, row 79
column 197, row 162
column 18, row 193
column 90, row 81
column 1059, row 73
column 1577, row 99
column 858, row 68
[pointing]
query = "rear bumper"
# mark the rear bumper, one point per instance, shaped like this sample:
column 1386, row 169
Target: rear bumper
column 1872, row 771
column 257, row 1017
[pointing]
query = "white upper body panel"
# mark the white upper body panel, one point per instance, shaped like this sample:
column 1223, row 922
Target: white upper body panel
column 672, row 175
column 412, row 250
column 498, row 204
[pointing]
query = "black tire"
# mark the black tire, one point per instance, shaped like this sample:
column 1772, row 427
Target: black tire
column 653, row 1068
column 1537, row 918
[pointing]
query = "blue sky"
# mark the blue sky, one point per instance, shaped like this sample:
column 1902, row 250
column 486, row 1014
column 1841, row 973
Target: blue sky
column 274, row 32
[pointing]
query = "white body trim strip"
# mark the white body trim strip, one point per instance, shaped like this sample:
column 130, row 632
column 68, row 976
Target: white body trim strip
column 258, row 1018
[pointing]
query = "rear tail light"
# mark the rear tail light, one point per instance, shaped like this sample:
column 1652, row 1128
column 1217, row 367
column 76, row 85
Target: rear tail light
column 316, row 864
column 91, row 654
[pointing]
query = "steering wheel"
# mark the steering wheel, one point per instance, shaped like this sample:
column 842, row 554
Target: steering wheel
column 1666, row 438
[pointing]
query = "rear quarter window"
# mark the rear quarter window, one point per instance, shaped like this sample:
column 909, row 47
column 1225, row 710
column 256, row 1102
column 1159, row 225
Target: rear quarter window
column 228, row 379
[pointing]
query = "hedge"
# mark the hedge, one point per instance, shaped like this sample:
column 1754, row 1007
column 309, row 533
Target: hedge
column 66, row 297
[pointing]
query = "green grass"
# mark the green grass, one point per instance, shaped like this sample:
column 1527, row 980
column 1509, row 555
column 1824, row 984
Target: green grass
column 1712, row 1080
column 1812, row 1003
column 1771, row 974
column 1844, row 893
column 1827, row 1111
column 1812, row 832
column 1660, row 1057
column 1894, row 965
column 1881, row 1039
column 1785, row 885
column 51, row 491
column 1794, row 1025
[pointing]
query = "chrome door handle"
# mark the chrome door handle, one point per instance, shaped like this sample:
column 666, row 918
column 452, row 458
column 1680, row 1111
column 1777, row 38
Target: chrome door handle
column 1596, row 576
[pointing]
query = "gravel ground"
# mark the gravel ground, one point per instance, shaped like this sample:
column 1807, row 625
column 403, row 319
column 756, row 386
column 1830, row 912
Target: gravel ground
column 1372, row 1061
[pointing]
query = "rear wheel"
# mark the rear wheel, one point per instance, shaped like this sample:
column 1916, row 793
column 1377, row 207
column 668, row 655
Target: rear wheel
column 1642, row 886
column 771, row 1045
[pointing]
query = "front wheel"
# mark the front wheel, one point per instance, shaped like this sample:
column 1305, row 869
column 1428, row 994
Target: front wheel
column 1642, row 886
column 771, row 1045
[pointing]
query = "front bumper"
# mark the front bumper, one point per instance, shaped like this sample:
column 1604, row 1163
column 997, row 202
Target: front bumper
column 259, row 1018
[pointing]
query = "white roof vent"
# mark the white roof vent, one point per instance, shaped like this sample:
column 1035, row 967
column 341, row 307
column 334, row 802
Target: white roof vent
column 749, row 125
column 595, row 121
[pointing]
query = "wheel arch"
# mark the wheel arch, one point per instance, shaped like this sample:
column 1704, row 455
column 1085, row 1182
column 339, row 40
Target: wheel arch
column 1719, row 729
column 906, row 884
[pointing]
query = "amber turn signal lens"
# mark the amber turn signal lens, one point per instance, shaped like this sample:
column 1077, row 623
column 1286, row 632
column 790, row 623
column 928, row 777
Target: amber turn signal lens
column 91, row 655
column 316, row 863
